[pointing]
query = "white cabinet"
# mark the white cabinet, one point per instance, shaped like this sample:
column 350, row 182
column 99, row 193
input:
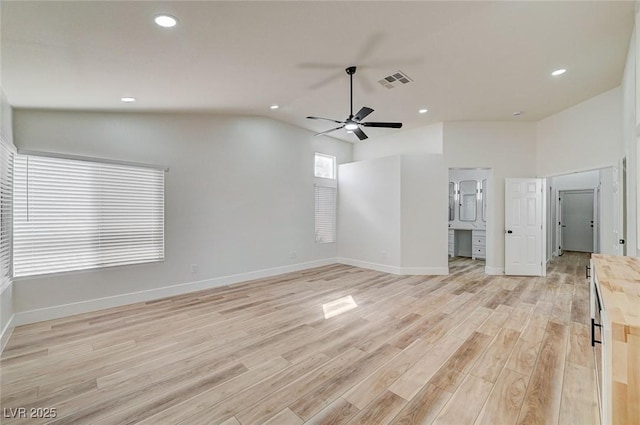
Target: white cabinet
column 458, row 246
column 478, row 244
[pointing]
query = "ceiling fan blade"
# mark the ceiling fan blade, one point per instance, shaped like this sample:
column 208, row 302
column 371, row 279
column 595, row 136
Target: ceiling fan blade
column 362, row 113
column 329, row 131
column 358, row 132
column 326, row 119
column 382, row 124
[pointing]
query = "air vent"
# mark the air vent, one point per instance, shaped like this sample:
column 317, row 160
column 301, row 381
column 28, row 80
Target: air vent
column 398, row 78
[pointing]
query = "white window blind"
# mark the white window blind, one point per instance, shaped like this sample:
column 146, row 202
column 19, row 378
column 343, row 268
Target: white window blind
column 77, row 214
column 6, row 213
column 325, row 189
column 325, row 214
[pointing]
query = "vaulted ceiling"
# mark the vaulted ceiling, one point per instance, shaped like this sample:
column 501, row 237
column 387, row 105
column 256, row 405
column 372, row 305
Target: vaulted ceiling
column 473, row 60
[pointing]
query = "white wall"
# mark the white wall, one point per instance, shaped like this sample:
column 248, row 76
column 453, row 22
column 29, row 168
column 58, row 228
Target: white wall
column 369, row 213
column 6, row 296
column 584, row 137
column 6, row 116
column 629, row 144
column 427, row 139
column 424, row 200
column 509, row 148
column 576, row 181
column 393, row 214
column 608, row 229
column 238, row 199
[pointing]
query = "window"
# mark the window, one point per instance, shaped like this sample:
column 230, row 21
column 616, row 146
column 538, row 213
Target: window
column 6, row 212
column 325, row 192
column 72, row 214
column 325, row 166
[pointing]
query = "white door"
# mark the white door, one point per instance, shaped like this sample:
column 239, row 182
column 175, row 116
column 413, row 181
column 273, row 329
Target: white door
column 523, row 237
column 577, row 220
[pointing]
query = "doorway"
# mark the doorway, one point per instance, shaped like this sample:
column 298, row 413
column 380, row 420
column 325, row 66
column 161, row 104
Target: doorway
column 578, row 221
column 469, row 223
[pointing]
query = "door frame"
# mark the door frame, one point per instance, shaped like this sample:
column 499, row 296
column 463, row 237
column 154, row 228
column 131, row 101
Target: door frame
column 596, row 224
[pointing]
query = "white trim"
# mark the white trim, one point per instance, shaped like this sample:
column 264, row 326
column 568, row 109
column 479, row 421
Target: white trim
column 385, row 268
column 91, row 159
column 494, row 271
column 425, row 271
column 55, row 312
column 6, row 333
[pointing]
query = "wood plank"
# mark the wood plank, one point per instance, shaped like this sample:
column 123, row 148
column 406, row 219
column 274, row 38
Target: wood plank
column 423, row 408
column 410, row 383
column 380, row 411
column 337, row 412
column 542, row 400
column 490, row 364
column 376, row 383
column 580, row 351
column 577, row 405
column 285, row 417
column 465, row 404
column 324, row 393
column 505, row 401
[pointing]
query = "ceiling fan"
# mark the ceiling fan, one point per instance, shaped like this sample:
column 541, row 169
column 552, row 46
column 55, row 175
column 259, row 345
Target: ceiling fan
column 354, row 122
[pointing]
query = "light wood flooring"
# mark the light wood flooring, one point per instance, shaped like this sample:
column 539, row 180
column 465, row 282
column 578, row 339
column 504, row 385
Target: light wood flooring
column 460, row 349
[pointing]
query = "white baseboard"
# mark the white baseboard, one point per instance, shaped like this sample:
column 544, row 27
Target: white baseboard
column 6, row 333
column 55, row 312
column 385, row 268
column 494, row 271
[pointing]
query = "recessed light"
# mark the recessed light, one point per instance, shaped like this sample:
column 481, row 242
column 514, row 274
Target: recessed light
column 423, row 111
column 274, row 107
column 558, row 72
column 128, row 99
column 166, row 21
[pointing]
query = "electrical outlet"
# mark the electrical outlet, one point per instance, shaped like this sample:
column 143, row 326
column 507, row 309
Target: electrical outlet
column 194, row 268
column 293, row 255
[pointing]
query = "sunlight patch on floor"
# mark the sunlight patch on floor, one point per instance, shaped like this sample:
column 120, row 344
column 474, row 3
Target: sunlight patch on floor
column 339, row 306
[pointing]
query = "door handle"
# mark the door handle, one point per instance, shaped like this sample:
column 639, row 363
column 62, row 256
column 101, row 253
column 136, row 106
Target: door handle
column 564, row 225
column 509, row 231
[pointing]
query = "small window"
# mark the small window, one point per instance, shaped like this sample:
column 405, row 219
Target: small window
column 325, row 166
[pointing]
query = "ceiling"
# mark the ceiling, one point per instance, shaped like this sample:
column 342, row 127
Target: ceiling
column 468, row 60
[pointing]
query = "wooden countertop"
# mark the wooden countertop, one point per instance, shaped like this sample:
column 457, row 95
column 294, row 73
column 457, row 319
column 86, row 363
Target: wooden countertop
column 619, row 284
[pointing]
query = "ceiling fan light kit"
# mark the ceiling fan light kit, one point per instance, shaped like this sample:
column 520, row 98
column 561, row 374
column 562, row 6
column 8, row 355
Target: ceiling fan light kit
column 354, row 122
